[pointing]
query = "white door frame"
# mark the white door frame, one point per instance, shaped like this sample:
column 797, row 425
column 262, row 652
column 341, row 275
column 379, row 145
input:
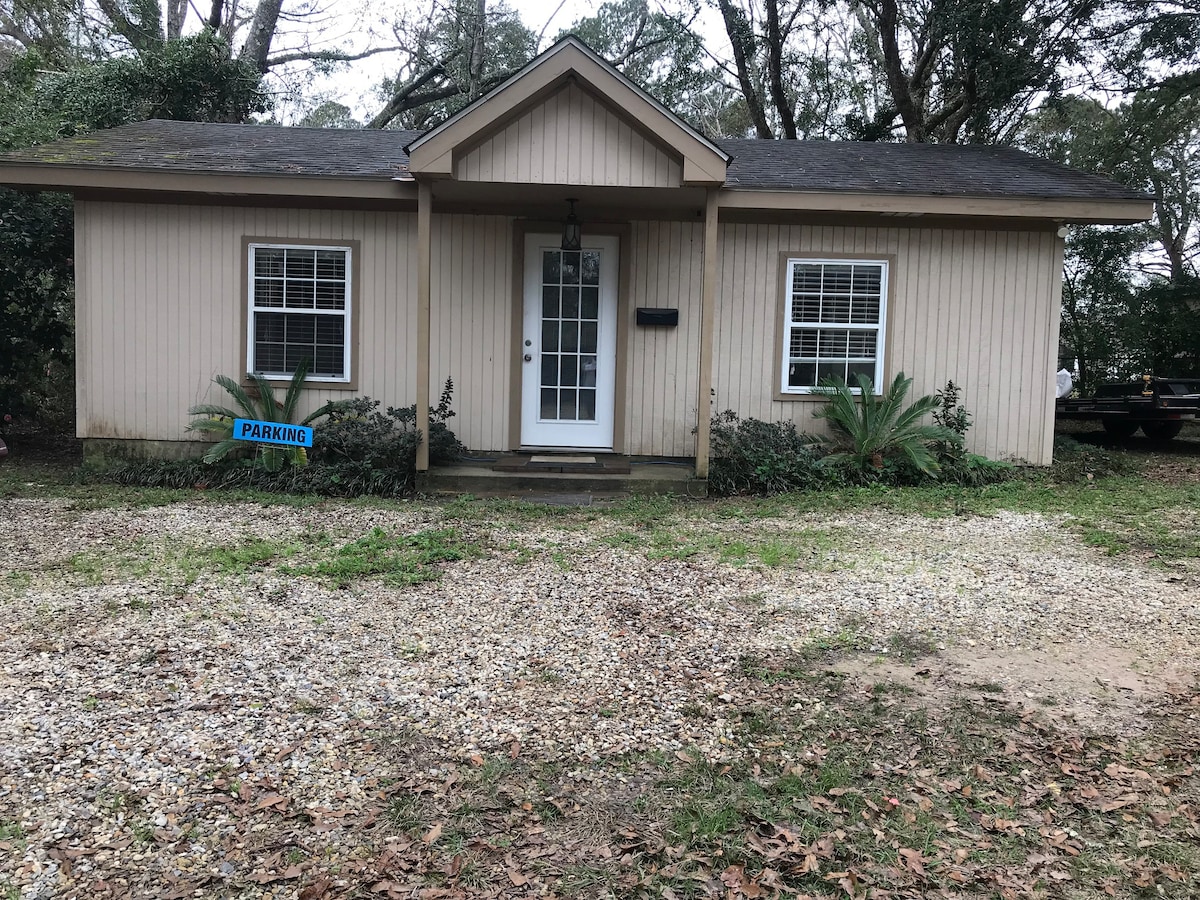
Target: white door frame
column 537, row 430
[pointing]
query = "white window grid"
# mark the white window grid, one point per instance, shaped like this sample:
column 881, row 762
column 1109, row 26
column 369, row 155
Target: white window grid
column 807, row 330
column 345, row 313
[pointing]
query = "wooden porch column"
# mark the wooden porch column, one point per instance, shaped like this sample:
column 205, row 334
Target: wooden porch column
column 708, row 309
column 424, row 249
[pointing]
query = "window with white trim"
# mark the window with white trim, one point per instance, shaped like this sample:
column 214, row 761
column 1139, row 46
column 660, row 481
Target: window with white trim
column 834, row 317
column 300, row 307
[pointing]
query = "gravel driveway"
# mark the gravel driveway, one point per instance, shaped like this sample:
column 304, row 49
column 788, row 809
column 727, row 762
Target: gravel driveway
column 141, row 700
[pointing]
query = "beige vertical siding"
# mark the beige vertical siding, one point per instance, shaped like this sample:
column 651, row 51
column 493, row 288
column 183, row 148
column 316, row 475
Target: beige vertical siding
column 160, row 307
column 160, row 313
column 471, row 324
column 570, row 139
column 667, row 267
column 978, row 307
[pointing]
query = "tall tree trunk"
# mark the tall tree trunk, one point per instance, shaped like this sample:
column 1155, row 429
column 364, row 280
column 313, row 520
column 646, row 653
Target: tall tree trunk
column 257, row 48
column 775, row 38
column 741, row 38
column 899, row 87
column 475, row 60
column 176, row 14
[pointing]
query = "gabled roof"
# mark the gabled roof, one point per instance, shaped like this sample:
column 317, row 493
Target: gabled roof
column 786, row 166
column 962, row 170
column 432, row 154
column 205, row 148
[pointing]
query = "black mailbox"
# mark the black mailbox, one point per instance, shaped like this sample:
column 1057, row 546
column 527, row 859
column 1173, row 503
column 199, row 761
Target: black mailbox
column 649, row 316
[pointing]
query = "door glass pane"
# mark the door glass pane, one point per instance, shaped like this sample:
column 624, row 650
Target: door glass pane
column 550, row 302
column 549, row 403
column 587, row 337
column 589, row 307
column 566, row 404
column 587, row 405
column 570, row 336
column 550, row 267
column 549, row 336
column 591, row 267
column 549, row 369
column 587, row 371
column 570, row 303
column 570, row 267
column 568, row 370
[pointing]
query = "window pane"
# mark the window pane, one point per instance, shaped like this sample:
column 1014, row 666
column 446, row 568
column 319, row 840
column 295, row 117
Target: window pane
column 268, row 327
column 295, row 354
column 301, row 329
column 570, row 268
column 835, row 308
column 300, row 294
column 838, row 279
column 268, row 293
column 591, row 267
column 806, row 277
column 587, row 371
column 568, row 370
column 331, row 295
column 833, row 344
column 830, row 370
column 806, row 308
column 550, row 336
column 331, row 362
column 855, row 369
column 804, row 343
column 301, row 264
column 550, row 302
column 550, row 266
column 268, row 357
column 589, row 307
column 330, row 329
column 549, row 403
column 331, row 264
column 865, row 310
column 268, row 263
column 862, row 344
column 867, row 280
column 802, row 375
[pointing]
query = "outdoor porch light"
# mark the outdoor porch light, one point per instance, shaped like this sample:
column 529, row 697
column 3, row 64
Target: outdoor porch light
column 572, row 230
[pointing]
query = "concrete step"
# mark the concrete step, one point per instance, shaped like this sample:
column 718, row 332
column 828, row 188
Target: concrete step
column 482, row 480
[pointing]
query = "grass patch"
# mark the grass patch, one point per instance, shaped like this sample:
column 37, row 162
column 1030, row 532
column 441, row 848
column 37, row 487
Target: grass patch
column 396, row 559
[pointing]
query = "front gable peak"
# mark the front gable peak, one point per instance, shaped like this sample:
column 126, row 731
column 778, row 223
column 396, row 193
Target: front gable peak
column 568, row 103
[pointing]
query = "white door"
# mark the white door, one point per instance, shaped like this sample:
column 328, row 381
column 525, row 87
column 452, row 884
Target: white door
column 569, row 346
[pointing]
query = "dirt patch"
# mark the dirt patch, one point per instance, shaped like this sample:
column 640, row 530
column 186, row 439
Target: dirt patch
column 1098, row 687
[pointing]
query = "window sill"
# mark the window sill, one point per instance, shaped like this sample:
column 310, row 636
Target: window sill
column 309, row 384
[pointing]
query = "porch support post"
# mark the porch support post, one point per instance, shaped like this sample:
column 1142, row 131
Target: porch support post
column 708, row 309
column 424, row 247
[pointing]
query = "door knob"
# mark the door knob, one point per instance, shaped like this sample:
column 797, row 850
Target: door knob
column 528, row 358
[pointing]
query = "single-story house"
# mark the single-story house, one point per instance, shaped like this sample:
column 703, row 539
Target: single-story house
column 591, row 271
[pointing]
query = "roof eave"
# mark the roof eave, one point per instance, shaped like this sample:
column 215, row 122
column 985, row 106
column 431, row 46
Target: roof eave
column 70, row 178
column 1091, row 211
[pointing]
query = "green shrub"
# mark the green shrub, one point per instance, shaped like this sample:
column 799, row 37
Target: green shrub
column 750, row 456
column 356, row 451
column 879, row 438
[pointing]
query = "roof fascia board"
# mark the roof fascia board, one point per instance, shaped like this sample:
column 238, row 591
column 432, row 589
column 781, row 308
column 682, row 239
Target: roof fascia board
column 432, row 153
column 68, row 178
column 1096, row 211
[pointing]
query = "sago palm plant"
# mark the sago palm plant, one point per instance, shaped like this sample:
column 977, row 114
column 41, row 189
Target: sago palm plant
column 873, row 429
column 217, row 421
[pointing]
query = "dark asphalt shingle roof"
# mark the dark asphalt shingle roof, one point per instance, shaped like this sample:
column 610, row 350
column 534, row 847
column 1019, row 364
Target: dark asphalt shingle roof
column 921, row 169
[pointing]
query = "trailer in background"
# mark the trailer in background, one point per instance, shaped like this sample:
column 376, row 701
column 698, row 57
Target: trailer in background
column 1158, row 406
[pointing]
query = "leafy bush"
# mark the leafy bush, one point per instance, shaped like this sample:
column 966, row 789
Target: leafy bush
column 955, row 463
column 750, row 456
column 218, row 420
column 357, row 450
column 881, row 438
